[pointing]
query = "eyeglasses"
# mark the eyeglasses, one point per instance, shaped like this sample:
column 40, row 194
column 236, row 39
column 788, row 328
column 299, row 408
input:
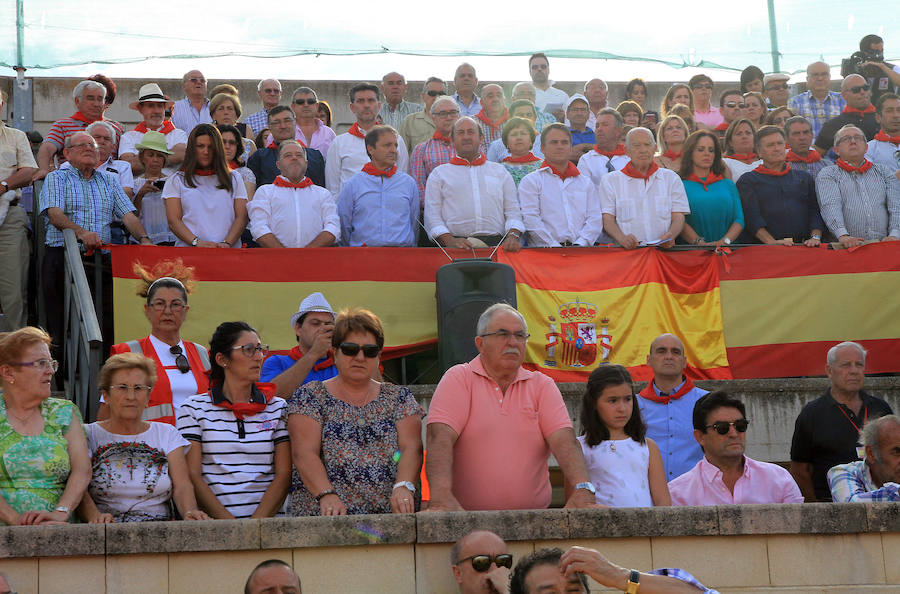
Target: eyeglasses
column 350, row 349
column 138, row 389
column 181, row 361
column 780, row 87
column 519, row 336
column 251, row 350
column 482, row 563
column 733, row 104
column 273, row 91
column 174, row 307
column 197, row 80
column 42, row 364
column 859, row 89
column 855, row 138
column 723, row 427
column 91, row 145
column 308, row 101
column 702, row 86
column 578, row 109
column 445, row 114
column 433, row 93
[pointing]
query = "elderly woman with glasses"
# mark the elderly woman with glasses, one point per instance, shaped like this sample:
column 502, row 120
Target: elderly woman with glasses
column 356, row 442
column 240, row 458
column 153, row 453
column 180, row 365
column 46, row 466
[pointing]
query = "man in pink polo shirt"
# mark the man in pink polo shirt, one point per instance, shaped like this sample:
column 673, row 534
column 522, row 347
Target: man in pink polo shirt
column 725, row 475
column 492, row 426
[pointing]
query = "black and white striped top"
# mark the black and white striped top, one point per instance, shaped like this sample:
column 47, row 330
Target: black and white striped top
column 238, row 456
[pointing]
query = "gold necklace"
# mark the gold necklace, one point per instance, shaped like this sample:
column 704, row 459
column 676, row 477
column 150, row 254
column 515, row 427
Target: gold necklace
column 26, row 419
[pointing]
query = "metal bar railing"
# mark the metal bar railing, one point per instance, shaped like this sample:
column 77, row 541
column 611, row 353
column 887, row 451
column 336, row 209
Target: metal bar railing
column 82, row 336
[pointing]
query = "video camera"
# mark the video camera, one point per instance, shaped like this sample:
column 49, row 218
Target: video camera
column 853, row 64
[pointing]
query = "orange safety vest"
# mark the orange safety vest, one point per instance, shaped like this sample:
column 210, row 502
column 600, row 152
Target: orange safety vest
column 159, row 408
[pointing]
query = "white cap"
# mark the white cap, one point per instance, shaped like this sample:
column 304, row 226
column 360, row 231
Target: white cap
column 313, row 302
column 576, row 97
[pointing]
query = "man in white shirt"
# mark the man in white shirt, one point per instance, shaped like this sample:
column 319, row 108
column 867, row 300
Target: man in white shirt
column 470, row 201
column 152, row 105
column 560, row 206
column 293, row 212
column 194, row 108
column 608, row 154
column 347, row 154
column 643, row 204
column 547, row 97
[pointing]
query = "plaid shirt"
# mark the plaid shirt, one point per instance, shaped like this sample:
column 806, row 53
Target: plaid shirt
column 92, row 204
column 257, row 121
column 680, row 574
column 817, row 112
column 425, row 157
column 853, row 482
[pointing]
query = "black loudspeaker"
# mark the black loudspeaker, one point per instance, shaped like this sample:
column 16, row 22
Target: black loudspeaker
column 464, row 289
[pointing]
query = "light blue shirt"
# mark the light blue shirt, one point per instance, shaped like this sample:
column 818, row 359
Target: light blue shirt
column 886, row 153
column 671, row 426
column 379, row 211
column 471, row 110
column 185, row 117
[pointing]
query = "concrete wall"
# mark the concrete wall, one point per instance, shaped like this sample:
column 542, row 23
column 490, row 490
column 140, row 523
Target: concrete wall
column 752, row 548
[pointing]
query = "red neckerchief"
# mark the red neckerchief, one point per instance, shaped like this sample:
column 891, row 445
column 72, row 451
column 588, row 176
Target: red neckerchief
column 272, row 146
column 372, row 170
column 619, row 150
column 859, row 112
column 744, row 157
column 296, row 354
column 570, row 171
column 630, row 171
column 850, row 168
column 283, row 182
column 479, row 160
column 494, row 124
column 812, row 157
column 883, row 137
column 167, row 126
column 204, row 172
column 669, row 154
column 766, row 171
column 354, row 130
column 82, row 118
column 233, row 165
column 707, row 181
column 438, row 136
column 248, row 409
column 529, row 158
column 722, row 127
column 650, row 394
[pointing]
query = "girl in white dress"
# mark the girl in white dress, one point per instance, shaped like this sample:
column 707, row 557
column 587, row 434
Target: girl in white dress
column 624, row 465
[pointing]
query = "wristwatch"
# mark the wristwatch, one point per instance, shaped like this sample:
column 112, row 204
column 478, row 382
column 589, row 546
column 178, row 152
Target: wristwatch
column 726, row 241
column 634, row 582
column 407, row 484
column 195, row 241
column 5, row 186
column 64, row 509
column 587, row 485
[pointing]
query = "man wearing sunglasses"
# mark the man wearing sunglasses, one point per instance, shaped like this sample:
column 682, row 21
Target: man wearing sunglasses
column 859, row 112
column 724, row 475
column 310, row 131
column 420, row 126
column 481, row 563
column 704, row 112
column 492, row 426
column 776, row 89
column 731, row 107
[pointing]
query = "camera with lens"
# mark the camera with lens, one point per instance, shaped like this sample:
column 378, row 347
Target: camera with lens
column 854, row 64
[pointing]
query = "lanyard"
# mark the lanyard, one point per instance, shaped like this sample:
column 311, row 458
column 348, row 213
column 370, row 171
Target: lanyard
column 865, row 415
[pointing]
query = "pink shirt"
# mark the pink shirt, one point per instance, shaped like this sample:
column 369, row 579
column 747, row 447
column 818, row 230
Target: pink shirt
column 761, row 482
column 711, row 118
column 321, row 138
column 500, row 457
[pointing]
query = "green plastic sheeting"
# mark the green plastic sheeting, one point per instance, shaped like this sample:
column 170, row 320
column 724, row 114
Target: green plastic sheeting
column 707, row 34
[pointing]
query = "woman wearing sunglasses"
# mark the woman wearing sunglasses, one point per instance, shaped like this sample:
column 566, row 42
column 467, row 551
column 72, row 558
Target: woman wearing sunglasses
column 181, row 365
column 138, row 466
column 46, row 466
column 356, row 442
column 240, row 459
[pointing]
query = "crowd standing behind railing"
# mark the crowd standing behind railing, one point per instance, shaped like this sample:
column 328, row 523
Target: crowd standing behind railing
column 551, row 170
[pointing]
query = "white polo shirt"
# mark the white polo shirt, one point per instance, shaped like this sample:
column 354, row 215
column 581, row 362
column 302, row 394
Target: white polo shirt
column 643, row 208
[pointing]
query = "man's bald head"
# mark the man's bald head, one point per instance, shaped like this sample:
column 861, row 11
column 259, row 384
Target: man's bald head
column 667, row 358
column 479, row 542
column 272, row 576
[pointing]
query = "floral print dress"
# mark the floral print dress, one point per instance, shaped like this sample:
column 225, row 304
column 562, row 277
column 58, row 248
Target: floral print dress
column 34, row 468
column 360, row 449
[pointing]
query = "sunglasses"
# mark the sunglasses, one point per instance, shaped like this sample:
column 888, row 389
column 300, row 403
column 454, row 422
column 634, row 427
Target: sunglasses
column 308, row 101
column 181, row 361
column 350, row 349
column 859, row 89
column 723, row 427
column 482, row 563
column 733, row 104
column 435, row 93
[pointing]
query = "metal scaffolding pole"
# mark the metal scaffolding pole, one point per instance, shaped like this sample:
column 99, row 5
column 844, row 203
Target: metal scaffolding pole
column 773, row 37
column 22, row 104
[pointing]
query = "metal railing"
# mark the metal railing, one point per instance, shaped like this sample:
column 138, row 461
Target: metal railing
column 81, row 333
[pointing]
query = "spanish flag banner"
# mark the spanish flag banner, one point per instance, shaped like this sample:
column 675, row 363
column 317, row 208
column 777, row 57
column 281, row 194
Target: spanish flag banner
column 589, row 306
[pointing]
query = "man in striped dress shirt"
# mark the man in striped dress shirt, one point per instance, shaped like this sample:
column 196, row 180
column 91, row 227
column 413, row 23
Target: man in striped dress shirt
column 859, row 200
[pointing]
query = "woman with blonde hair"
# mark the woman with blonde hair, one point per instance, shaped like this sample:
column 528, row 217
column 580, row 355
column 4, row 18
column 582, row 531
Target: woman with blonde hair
column 677, row 93
column 673, row 131
column 181, row 365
